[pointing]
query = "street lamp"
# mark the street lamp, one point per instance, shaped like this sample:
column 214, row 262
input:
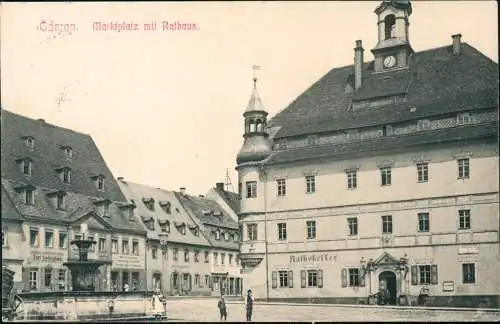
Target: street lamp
column 367, row 267
column 163, row 245
column 403, row 268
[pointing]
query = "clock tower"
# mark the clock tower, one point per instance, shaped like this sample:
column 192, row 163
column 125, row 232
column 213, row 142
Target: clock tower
column 393, row 48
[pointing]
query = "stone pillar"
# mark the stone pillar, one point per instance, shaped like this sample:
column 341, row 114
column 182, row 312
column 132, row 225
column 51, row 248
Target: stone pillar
column 108, row 278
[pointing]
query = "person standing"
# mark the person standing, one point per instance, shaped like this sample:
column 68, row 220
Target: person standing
column 222, row 308
column 249, row 305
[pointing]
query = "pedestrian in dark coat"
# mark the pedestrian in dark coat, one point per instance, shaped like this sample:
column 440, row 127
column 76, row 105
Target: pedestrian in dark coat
column 222, row 308
column 249, row 305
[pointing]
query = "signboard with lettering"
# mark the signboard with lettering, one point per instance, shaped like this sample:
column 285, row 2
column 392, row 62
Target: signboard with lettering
column 39, row 256
column 128, row 261
column 448, row 285
column 313, row 258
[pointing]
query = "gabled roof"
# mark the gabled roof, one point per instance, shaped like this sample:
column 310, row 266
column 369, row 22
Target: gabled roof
column 212, row 217
column 47, row 156
column 178, row 215
column 231, row 198
column 436, row 82
column 77, row 206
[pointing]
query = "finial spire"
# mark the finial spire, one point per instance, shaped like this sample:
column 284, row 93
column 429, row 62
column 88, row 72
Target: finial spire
column 255, row 68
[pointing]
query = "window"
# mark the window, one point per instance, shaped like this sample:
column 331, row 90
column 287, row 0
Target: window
column 196, row 256
column 68, row 152
column 230, row 259
column 464, row 118
column 251, row 189
column 33, row 279
column 4, row 238
column 311, row 278
column 49, row 239
column 165, row 227
column 352, row 182
column 29, row 197
column 385, row 174
column 197, row 280
column 60, row 201
column 281, row 184
column 125, row 247
column 102, row 244
column 387, row 224
column 34, row 239
column 48, row 277
column 464, row 219
column 239, row 190
column 92, row 246
column 135, row 247
column 312, row 140
column 67, row 175
column 389, row 24
column 252, row 232
column 423, row 222
column 216, row 258
column 283, row 279
column 423, row 172
column 27, row 167
column 280, row 144
column 424, row 274
column 186, row 255
column 468, row 273
column 61, row 278
column 105, row 209
column 352, row 223
column 63, row 240
column 176, row 254
column 222, row 258
column 207, row 255
column 29, row 142
column 114, row 246
column 100, row 182
column 463, row 168
column 207, row 281
column 310, row 184
column 217, row 235
column 154, row 252
column 354, row 277
column 282, row 231
column 311, row 229
column 131, row 216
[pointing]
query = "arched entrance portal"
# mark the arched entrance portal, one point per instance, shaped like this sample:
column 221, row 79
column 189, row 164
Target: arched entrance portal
column 387, row 280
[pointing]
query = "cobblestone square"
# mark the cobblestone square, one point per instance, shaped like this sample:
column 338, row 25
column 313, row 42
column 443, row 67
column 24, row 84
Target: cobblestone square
column 205, row 310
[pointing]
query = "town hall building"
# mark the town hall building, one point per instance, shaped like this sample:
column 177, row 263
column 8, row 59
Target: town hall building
column 381, row 177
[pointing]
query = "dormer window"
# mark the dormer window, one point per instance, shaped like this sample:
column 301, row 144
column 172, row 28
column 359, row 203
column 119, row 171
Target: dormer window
column 131, row 215
column 183, row 230
column 464, row 118
column 217, row 235
column 26, row 166
column 280, row 144
column 149, row 203
column 29, row 196
column 66, row 175
column 29, row 142
column 99, row 182
column 312, row 139
column 68, row 152
column 194, row 229
column 60, row 201
column 165, row 227
column 105, row 209
column 166, row 206
column 390, row 26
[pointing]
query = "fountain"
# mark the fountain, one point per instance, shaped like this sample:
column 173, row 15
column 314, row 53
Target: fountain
column 84, row 302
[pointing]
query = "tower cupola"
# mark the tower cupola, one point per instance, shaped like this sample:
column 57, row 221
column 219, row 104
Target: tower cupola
column 257, row 145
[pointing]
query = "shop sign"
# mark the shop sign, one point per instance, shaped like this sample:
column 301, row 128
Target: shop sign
column 313, row 258
column 448, row 285
column 127, row 261
column 47, row 256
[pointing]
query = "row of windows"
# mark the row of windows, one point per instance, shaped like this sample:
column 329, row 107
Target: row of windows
column 50, row 278
column 231, row 259
column 26, row 166
column 423, row 223
column 352, row 179
column 355, row 277
column 29, row 142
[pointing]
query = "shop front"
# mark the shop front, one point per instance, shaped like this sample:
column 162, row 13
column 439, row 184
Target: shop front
column 127, row 273
column 44, row 271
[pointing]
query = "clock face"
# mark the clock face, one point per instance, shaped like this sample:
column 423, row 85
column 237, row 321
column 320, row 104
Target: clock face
column 389, row 61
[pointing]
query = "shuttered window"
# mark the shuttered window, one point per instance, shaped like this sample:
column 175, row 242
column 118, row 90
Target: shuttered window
column 320, row 278
column 424, row 275
column 344, row 278
column 303, row 278
column 274, row 279
column 290, row 279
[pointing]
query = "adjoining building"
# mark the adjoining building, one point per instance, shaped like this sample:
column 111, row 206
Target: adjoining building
column 54, row 180
column 221, row 230
column 381, row 176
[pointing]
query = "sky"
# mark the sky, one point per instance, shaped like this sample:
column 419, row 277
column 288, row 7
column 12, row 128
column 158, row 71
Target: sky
column 165, row 106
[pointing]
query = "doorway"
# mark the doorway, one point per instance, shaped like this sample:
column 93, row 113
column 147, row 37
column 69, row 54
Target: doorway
column 387, row 280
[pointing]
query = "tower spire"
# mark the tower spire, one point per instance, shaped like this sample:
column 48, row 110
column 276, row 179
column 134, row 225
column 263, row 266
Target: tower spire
column 255, row 68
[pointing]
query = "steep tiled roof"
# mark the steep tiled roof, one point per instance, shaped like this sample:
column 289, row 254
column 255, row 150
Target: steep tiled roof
column 77, row 206
column 460, row 133
column 231, row 198
column 211, row 215
column 47, row 156
column 9, row 210
column 436, row 82
column 137, row 192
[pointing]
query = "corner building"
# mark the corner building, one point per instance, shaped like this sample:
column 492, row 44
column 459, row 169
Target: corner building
column 383, row 174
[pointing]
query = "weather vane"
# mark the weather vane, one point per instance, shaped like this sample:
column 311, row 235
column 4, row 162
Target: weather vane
column 255, row 68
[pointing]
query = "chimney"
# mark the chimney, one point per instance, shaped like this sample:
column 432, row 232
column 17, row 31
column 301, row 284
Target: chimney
column 219, row 186
column 456, row 44
column 41, row 120
column 201, row 196
column 183, row 190
column 358, row 64
column 120, row 178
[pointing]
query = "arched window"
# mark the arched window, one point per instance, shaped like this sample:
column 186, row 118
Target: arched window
column 258, row 125
column 252, row 126
column 390, row 26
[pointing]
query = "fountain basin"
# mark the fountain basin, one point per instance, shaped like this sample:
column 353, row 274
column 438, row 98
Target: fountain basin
column 86, row 305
